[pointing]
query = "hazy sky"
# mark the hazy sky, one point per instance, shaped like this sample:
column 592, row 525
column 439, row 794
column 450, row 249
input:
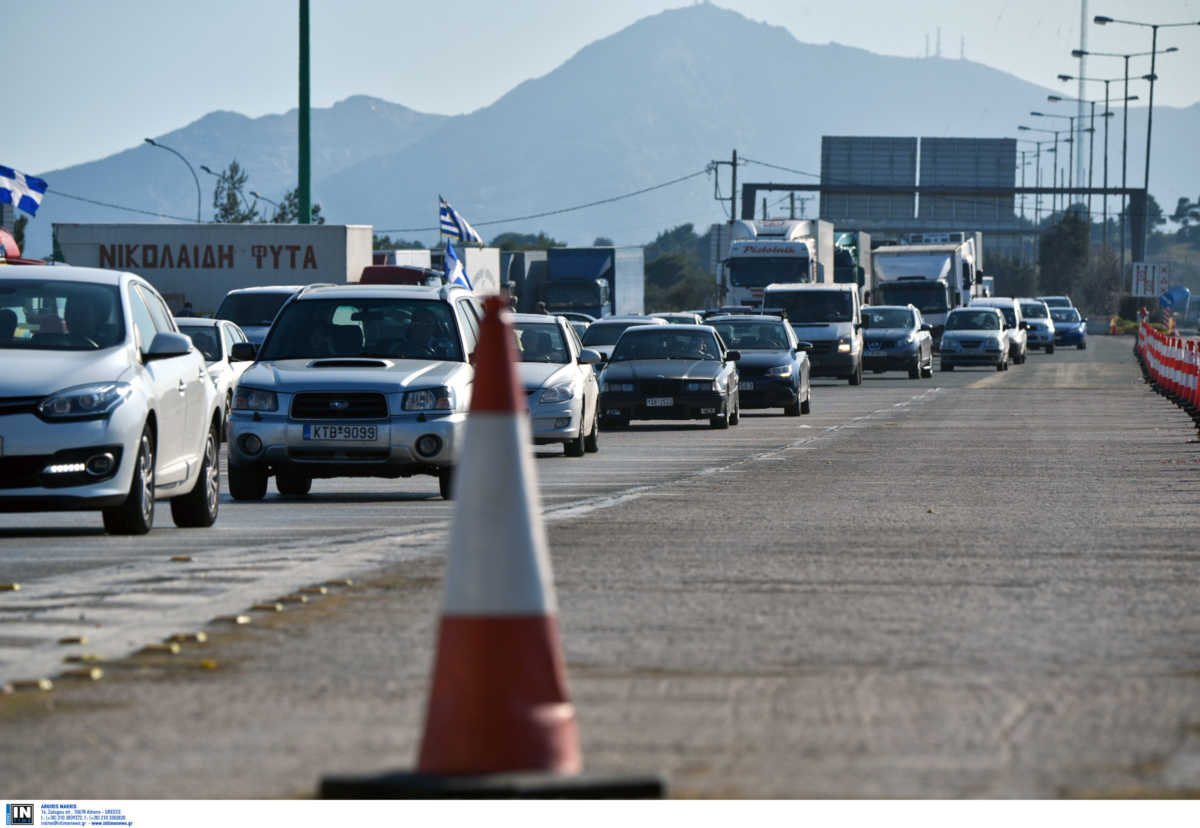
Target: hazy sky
column 87, row 79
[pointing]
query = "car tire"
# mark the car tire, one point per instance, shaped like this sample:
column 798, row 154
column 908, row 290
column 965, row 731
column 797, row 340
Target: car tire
column 1049, row 350
column 721, row 421
column 945, row 368
column 1082, row 346
column 135, row 516
column 806, row 406
column 247, row 482
column 574, row 447
column 198, row 508
column 857, row 376
column 591, row 443
column 914, row 370
column 792, row 410
column 736, row 416
column 291, row 484
column 446, row 483
column 927, row 372
column 1002, row 365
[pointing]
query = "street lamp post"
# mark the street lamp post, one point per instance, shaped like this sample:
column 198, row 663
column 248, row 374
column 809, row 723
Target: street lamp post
column 195, row 177
column 1091, row 143
column 1070, row 139
column 1038, row 199
column 245, row 206
column 1102, row 20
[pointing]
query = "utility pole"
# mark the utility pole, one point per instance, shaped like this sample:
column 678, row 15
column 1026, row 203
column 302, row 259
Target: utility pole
column 305, row 182
column 792, row 205
column 764, row 212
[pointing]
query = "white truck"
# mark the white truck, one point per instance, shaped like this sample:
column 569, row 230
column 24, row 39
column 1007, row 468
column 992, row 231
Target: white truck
column 767, row 251
column 934, row 272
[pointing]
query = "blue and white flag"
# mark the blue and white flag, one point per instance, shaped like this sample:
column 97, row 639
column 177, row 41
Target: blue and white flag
column 455, row 274
column 456, row 226
column 25, row 191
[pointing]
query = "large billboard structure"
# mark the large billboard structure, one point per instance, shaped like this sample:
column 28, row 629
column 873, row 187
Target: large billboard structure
column 985, row 163
column 880, row 162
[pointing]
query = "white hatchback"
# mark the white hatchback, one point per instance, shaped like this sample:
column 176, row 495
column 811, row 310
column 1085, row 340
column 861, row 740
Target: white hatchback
column 104, row 404
column 215, row 339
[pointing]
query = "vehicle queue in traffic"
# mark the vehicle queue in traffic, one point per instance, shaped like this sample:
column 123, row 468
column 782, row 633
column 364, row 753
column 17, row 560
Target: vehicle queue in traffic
column 112, row 404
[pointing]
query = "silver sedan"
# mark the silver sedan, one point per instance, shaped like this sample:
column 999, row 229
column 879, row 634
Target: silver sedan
column 557, row 374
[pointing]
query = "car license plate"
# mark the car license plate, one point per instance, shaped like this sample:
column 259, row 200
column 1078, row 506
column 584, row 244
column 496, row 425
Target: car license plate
column 660, row 402
column 342, row 433
column 745, row 385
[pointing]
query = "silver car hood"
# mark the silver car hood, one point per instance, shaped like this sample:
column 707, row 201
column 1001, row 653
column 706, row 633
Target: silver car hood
column 537, row 374
column 387, row 374
column 38, row 373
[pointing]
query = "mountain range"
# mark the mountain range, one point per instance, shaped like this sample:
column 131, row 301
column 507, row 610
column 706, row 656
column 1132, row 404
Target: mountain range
column 654, row 102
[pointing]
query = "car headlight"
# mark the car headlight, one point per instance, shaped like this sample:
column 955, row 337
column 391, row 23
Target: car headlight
column 706, row 385
column 430, row 399
column 84, row 402
column 843, row 345
column 618, row 386
column 255, row 399
column 558, row 393
column 780, row 371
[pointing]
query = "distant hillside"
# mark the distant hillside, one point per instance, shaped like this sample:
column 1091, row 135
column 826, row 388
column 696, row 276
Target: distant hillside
column 654, row 101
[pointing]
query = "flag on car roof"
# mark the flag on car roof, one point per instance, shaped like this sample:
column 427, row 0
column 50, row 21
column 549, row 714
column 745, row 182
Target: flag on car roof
column 456, row 226
column 23, row 191
column 455, row 274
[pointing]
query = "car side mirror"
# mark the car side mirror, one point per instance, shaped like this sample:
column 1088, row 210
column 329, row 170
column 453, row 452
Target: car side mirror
column 1024, row 326
column 858, row 326
column 166, row 345
column 927, row 327
column 589, row 357
column 804, row 346
column 603, row 357
column 243, row 352
column 732, row 356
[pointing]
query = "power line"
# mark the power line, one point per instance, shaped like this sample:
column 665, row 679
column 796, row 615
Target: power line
column 120, row 207
column 556, row 212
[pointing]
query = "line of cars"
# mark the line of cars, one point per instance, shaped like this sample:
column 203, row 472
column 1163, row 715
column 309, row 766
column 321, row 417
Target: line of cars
column 999, row 331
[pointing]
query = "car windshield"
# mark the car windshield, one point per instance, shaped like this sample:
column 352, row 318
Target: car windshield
column 395, row 328
column 812, row 305
column 1034, row 310
column 752, row 336
column 1056, row 301
column 1064, row 314
column 205, row 338
column 971, row 320
column 59, row 315
column 541, row 342
column 251, row 309
column 606, row 333
column 927, row 297
column 888, row 318
column 666, row 343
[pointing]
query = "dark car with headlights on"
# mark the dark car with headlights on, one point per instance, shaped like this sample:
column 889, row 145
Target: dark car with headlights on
column 896, row 338
column 670, row 372
column 773, row 370
column 1069, row 327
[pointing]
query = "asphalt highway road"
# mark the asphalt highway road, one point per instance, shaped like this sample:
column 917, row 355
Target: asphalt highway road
column 984, row 584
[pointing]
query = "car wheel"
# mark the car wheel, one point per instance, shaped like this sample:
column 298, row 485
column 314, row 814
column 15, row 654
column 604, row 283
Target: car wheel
column 1082, row 346
column 1002, row 365
column 1049, row 350
column 792, row 410
column 446, row 483
column 591, row 443
column 720, row 421
column 927, row 371
column 914, row 370
column 856, row 377
column 946, row 367
column 292, row 484
column 736, row 416
column 247, row 482
column 136, row 515
column 198, row 508
column 574, row 447
column 806, row 406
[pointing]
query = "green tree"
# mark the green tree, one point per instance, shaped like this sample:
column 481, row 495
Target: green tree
column 1012, row 277
column 603, row 241
column 229, row 200
column 525, row 241
column 1064, row 255
column 288, row 211
column 19, row 232
column 675, row 281
column 680, row 239
column 386, row 243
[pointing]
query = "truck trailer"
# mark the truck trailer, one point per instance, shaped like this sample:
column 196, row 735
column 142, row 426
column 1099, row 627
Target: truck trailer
column 934, row 272
column 767, row 251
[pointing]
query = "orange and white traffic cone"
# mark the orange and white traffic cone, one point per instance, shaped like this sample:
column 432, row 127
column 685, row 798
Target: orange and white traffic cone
column 499, row 723
column 499, row 698
column 1112, row 326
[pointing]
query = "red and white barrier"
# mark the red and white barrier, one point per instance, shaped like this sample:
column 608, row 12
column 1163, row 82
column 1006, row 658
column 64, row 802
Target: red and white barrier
column 1172, row 364
column 499, row 697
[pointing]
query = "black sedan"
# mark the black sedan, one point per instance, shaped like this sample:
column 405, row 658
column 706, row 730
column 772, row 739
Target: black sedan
column 896, row 338
column 774, row 369
column 670, row 372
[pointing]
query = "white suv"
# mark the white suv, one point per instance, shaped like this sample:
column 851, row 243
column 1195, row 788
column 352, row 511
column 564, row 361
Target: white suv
column 104, row 404
column 1014, row 324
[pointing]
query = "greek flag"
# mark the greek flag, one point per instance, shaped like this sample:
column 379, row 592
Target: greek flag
column 455, row 275
column 25, row 191
column 456, row 226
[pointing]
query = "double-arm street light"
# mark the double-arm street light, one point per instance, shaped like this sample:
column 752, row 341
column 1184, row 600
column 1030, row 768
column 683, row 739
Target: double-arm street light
column 1037, row 165
column 1037, row 201
column 1102, row 20
column 195, row 177
column 1070, row 139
